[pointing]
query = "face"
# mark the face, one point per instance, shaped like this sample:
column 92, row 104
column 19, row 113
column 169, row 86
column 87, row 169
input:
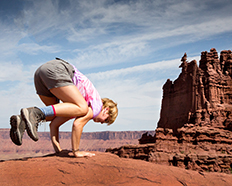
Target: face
column 103, row 116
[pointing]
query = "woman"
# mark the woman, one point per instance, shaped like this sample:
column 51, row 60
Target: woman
column 58, row 80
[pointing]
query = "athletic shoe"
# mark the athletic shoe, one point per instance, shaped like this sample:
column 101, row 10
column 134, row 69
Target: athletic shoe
column 18, row 127
column 32, row 116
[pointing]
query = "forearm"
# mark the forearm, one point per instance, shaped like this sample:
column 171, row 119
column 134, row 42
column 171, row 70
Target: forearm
column 76, row 136
column 54, row 132
column 77, row 129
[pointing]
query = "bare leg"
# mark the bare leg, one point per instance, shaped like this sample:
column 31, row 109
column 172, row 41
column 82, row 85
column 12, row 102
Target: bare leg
column 48, row 101
column 74, row 104
column 55, row 124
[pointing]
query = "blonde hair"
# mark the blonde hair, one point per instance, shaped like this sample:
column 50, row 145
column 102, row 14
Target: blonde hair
column 113, row 109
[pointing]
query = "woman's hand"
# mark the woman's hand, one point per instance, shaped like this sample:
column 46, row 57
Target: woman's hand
column 82, row 154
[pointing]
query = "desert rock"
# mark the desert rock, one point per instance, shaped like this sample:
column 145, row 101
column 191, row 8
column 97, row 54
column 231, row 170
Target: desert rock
column 195, row 126
column 103, row 169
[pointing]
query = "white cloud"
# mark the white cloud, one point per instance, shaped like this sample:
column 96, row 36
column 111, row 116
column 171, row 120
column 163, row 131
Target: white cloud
column 104, row 33
column 127, row 48
column 15, row 97
column 34, row 48
column 146, row 68
column 109, row 54
column 86, row 20
column 9, row 38
column 12, row 72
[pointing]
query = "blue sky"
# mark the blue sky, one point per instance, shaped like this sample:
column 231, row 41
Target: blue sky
column 128, row 49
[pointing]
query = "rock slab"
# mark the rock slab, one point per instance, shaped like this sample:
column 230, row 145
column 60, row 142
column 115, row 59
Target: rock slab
column 103, row 169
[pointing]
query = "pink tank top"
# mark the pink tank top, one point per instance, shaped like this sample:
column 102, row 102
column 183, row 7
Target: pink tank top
column 88, row 91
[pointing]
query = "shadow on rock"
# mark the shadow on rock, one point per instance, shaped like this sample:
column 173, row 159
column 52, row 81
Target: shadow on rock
column 63, row 153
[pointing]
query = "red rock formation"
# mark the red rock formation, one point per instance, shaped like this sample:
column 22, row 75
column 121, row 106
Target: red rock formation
column 196, row 147
column 103, row 169
column 195, row 127
column 200, row 95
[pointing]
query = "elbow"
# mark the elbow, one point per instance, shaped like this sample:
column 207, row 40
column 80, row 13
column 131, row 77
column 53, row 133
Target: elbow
column 78, row 125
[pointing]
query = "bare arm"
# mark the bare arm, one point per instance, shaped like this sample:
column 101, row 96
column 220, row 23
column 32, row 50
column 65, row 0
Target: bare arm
column 77, row 129
column 54, row 132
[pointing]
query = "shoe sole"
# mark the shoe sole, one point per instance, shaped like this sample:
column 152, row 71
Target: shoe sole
column 29, row 126
column 15, row 134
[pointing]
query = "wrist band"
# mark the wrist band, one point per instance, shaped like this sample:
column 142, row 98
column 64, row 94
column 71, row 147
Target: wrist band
column 75, row 150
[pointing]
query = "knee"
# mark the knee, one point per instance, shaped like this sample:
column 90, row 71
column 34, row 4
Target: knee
column 84, row 109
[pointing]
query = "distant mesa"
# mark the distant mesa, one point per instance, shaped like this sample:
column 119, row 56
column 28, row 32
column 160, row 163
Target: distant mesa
column 90, row 141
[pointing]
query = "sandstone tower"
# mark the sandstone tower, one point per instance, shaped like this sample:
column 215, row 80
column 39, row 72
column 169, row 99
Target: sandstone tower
column 195, row 126
column 200, row 95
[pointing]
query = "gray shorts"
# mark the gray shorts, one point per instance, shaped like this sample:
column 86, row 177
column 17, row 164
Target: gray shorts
column 53, row 74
